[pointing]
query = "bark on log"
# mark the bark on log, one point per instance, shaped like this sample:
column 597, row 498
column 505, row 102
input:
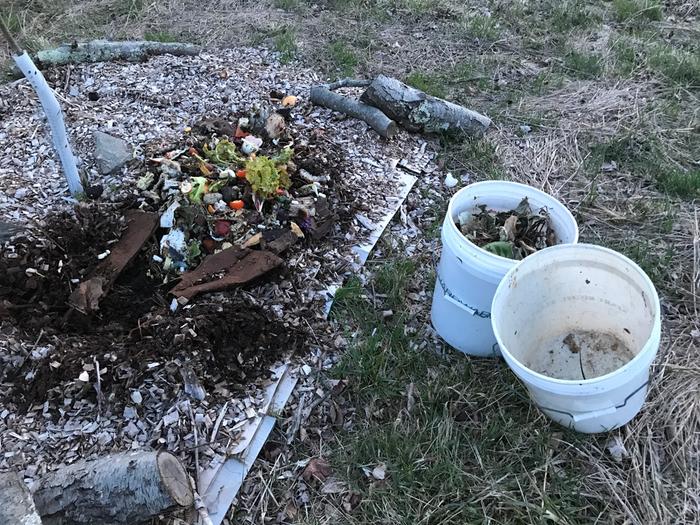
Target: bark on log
column 16, row 504
column 377, row 120
column 121, row 488
column 419, row 112
column 103, row 50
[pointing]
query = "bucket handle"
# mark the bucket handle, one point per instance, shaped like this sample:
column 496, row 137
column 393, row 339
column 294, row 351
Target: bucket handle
column 578, row 418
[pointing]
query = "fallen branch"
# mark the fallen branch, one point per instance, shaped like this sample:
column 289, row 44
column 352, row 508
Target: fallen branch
column 120, row 488
column 104, row 50
column 418, row 112
column 377, row 120
column 87, row 296
column 349, row 82
column 16, row 503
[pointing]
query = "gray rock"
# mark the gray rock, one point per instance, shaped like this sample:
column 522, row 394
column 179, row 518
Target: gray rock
column 212, row 198
column 111, row 153
column 132, row 430
column 21, row 193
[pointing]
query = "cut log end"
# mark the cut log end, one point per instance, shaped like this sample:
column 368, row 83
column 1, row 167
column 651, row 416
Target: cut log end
column 175, row 479
column 117, row 489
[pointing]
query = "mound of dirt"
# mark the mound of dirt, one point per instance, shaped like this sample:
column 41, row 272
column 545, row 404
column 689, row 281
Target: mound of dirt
column 134, row 339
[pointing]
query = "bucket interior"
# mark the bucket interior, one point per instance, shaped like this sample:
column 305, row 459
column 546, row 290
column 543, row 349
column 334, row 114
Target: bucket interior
column 575, row 313
column 509, row 198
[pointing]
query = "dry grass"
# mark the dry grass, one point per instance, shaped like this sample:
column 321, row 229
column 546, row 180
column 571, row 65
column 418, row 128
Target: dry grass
column 660, row 480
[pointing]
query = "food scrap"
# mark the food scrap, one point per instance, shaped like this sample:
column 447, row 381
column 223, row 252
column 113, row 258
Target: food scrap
column 513, row 234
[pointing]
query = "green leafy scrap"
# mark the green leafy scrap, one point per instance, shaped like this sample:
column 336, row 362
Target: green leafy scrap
column 264, row 176
column 502, row 248
column 283, row 157
column 199, row 188
column 216, row 186
column 194, row 251
column 223, row 154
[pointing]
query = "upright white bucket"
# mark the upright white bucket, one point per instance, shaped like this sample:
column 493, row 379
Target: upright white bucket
column 569, row 289
column 467, row 276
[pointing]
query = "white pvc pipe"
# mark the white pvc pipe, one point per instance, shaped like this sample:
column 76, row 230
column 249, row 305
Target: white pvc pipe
column 55, row 117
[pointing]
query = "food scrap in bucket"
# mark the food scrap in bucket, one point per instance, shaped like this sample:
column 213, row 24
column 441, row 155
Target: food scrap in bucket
column 513, row 234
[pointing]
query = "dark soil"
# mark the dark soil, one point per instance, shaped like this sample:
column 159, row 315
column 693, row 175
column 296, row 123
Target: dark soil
column 230, row 341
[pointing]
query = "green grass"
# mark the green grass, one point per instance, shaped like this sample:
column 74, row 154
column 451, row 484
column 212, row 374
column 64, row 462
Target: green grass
column 545, row 81
column 418, row 7
column 451, row 82
column 570, row 15
column 627, row 57
column 583, row 65
column 343, row 58
column 430, row 82
column 679, row 66
column 483, row 27
column 478, row 156
column 643, row 156
column 637, row 11
column 128, row 8
column 467, row 443
column 288, row 5
column 681, row 184
column 13, row 20
column 285, row 44
column 652, row 256
column 159, row 36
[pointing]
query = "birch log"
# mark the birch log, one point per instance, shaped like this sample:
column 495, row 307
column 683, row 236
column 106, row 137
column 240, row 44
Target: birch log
column 118, row 489
column 419, row 112
column 378, row 121
column 16, row 504
column 104, row 50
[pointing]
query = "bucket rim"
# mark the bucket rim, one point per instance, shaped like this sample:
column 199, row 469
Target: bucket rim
column 493, row 186
column 544, row 380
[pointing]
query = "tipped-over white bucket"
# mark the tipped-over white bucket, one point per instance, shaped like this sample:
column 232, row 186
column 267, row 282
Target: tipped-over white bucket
column 467, row 276
column 574, row 289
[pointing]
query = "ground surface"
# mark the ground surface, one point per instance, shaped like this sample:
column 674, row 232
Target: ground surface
column 594, row 102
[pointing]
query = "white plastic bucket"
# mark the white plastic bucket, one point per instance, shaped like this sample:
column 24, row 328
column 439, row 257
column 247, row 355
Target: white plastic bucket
column 467, row 276
column 579, row 287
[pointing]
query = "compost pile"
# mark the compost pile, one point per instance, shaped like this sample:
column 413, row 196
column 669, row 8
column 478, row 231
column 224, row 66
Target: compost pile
column 164, row 313
column 130, row 345
column 513, row 234
column 225, row 185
